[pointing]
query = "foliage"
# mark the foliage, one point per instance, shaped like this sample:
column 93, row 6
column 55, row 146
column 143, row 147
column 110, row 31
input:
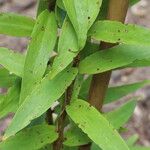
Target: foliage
column 49, row 94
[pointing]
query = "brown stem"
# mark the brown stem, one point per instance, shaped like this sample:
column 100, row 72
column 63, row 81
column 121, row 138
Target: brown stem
column 61, row 120
column 51, row 5
column 117, row 10
column 58, row 144
column 49, row 117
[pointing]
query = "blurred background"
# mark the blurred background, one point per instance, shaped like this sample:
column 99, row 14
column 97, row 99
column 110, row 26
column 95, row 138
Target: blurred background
column 138, row 14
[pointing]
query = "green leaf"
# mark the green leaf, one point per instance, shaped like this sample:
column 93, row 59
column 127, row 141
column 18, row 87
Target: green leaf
column 82, row 15
column 6, row 79
column 75, row 137
column 95, row 147
column 132, row 140
column 115, row 93
column 60, row 4
column 133, row 2
column 118, row 117
column 60, row 16
column 89, row 49
column 84, row 91
column 40, row 120
column 139, row 148
column 121, row 115
column 104, row 9
column 116, row 32
column 67, row 49
column 42, row 5
column 10, row 101
column 31, row 138
column 1, row 98
column 77, row 86
column 47, row 147
column 70, row 148
column 140, row 63
column 60, row 12
column 12, row 61
column 118, row 56
column 87, row 117
column 41, row 98
column 16, row 25
column 44, row 37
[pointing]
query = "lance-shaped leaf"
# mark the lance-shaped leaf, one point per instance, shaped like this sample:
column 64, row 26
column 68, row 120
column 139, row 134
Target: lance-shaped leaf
column 6, row 78
column 43, row 40
column 16, row 25
column 103, row 133
column 132, row 140
column 10, row 101
column 115, row 93
column 67, row 48
column 12, row 61
column 120, row 116
column 82, row 15
column 116, row 32
column 40, row 99
column 31, row 138
column 139, row 148
column 113, row 58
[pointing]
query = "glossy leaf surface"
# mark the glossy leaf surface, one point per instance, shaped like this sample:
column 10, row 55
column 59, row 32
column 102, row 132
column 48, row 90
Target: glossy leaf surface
column 118, row 56
column 67, row 48
column 82, row 15
column 116, row 32
column 105, row 135
column 42, row 42
column 41, row 98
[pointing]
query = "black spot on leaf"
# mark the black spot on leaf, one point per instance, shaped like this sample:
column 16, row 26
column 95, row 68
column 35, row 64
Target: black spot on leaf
column 42, row 28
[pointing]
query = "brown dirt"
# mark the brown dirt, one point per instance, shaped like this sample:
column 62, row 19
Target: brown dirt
column 139, row 14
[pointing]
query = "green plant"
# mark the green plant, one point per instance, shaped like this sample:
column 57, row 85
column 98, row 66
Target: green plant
column 38, row 79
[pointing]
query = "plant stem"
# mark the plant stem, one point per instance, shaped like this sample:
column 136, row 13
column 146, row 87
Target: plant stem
column 49, row 117
column 58, row 144
column 61, row 120
column 51, row 5
column 117, row 10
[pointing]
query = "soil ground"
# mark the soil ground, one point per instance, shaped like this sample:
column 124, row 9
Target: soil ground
column 138, row 14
